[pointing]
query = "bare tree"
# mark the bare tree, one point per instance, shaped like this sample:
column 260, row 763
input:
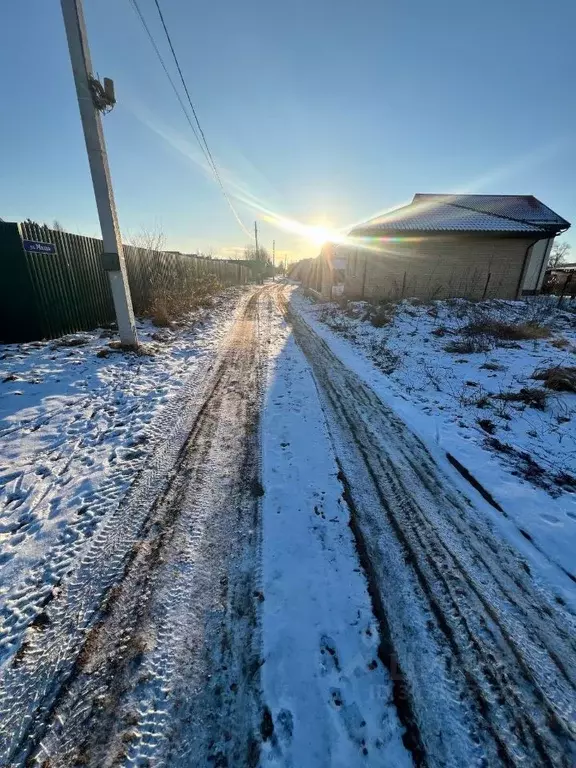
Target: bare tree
column 152, row 239
column 251, row 254
column 57, row 226
column 559, row 254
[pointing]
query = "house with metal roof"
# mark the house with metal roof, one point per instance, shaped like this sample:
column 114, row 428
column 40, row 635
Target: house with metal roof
column 440, row 246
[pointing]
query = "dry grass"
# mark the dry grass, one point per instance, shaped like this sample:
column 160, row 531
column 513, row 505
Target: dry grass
column 72, row 341
column 381, row 317
column 491, row 366
column 467, row 346
column 487, row 425
column 559, row 378
column 506, row 331
column 159, row 314
column 386, row 360
column 530, row 396
column 560, row 343
column 170, row 306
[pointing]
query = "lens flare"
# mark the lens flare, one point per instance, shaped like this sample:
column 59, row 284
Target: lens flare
column 322, row 232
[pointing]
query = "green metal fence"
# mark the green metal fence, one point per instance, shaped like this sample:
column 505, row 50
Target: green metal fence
column 53, row 282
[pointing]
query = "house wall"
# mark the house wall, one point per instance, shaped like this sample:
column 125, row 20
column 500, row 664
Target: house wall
column 439, row 267
column 534, row 277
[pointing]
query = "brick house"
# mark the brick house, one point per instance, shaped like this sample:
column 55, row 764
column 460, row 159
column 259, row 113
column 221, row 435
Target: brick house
column 440, row 246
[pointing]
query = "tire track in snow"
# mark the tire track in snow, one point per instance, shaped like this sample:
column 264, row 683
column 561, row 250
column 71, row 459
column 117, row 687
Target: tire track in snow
column 487, row 656
column 48, row 684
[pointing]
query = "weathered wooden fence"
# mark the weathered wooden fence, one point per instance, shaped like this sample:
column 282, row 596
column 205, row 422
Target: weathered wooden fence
column 52, row 282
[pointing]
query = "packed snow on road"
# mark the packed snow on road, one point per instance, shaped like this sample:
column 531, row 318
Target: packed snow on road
column 292, row 533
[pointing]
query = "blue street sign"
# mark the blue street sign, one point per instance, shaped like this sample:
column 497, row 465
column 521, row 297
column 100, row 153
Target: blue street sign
column 34, row 246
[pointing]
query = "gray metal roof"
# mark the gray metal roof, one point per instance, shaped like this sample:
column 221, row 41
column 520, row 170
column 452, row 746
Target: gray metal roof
column 511, row 214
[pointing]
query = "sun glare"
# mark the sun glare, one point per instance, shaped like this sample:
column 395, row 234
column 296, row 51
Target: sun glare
column 320, row 235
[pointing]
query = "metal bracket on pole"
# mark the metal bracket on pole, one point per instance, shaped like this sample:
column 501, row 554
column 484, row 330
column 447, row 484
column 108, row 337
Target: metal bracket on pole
column 110, row 262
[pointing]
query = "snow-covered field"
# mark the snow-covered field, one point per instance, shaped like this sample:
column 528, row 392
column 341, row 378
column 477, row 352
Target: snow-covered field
column 463, row 402
column 77, row 422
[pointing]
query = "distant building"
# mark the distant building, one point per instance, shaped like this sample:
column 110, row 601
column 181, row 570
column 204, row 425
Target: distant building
column 440, row 246
column 564, row 266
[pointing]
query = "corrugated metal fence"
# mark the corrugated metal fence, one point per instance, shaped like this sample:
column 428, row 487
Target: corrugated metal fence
column 46, row 292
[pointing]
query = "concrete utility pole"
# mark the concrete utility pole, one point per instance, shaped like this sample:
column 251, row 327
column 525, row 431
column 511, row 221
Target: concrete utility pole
column 92, row 97
column 256, row 238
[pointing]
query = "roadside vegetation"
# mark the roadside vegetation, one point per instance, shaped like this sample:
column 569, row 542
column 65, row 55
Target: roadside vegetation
column 502, row 372
column 171, row 307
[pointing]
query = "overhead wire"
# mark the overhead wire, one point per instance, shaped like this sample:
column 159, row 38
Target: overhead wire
column 198, row 131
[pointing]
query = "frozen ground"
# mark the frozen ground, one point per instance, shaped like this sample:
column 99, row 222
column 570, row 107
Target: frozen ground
column 328, row 692
column 523, row 454
column 75, row 428
column 252, row 549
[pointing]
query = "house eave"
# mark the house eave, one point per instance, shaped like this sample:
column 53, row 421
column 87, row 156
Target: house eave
column 539, row 234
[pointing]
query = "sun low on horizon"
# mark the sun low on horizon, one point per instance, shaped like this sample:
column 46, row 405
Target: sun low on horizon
column 323, row 233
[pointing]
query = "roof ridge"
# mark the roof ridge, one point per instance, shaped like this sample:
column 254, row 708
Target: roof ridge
column 499, row 215
column 469, row 194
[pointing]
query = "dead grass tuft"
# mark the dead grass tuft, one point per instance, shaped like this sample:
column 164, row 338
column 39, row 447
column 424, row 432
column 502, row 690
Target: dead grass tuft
column 73, row 340
column 560, row 343
column 381, row 317
column 491, row 366
column 159, row 314
column 487, row 425
column 467, row 346
column 168, row 307
column 533, row 397
column 559, row 378
column 384, row 359
column 506, row 331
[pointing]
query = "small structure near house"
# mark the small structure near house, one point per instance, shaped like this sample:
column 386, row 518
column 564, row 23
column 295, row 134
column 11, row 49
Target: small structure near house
column 441, row 246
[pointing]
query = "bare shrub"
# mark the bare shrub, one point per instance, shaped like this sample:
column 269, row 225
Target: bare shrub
column 558, row 378
column 491, row 366
column 506, row 331
column 467, row 346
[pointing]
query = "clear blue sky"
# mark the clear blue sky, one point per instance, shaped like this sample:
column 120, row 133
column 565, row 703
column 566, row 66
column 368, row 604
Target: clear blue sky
column 322, row 111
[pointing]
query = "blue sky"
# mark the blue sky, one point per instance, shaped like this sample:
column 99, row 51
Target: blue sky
column 323, row 112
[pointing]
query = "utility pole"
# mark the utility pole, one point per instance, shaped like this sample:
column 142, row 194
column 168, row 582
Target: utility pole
column 256, row 239
column 273, row 261
column 93, row 97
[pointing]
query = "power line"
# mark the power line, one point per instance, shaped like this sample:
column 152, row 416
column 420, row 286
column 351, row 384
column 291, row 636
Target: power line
column 198, row 132
column 168, row 75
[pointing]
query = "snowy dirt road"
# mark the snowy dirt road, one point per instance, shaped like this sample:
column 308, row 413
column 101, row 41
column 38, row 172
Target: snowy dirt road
column 293, row 580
